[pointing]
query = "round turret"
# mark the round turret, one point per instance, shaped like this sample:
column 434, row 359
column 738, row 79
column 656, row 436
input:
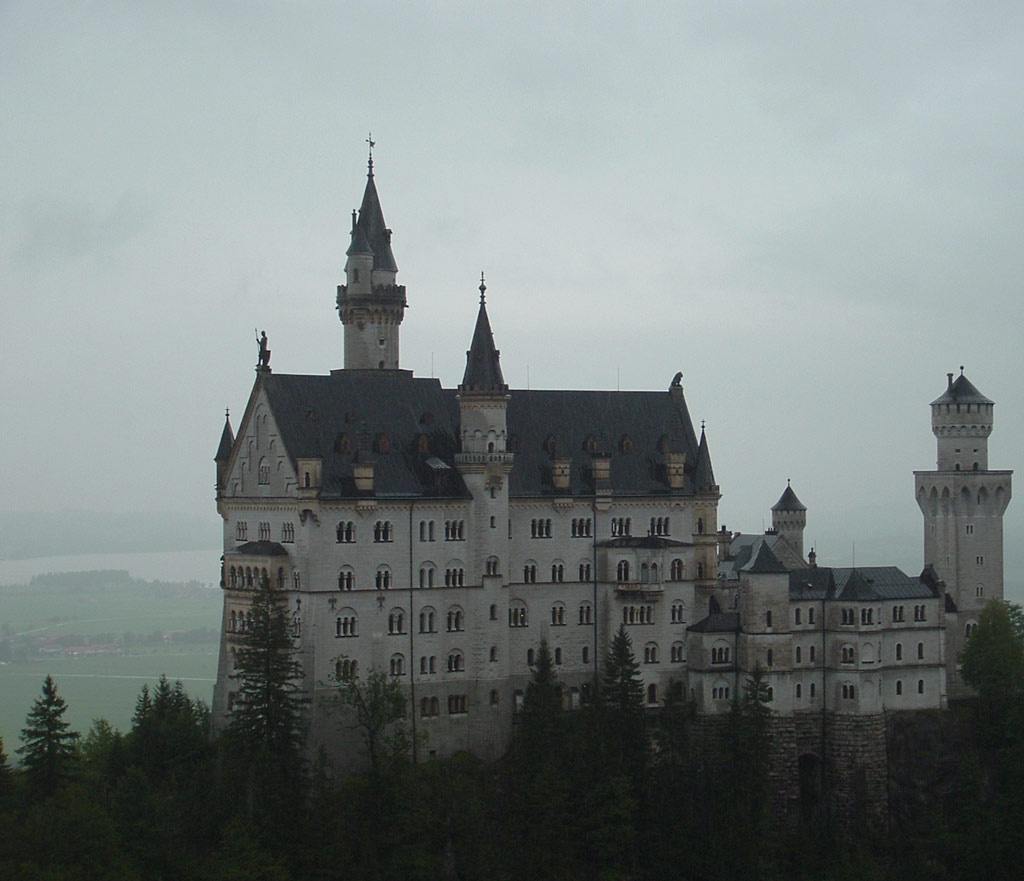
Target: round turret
column 962, row 421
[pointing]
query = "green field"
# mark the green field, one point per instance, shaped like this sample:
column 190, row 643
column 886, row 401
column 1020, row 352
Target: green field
column 101, row 687
column 110, row 607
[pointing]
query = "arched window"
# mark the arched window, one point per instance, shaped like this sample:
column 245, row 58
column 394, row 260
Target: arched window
column 346, row 578
column 651, row 653
column 428, row 623
column 491, row 567
column 427, row 575
column 557, row 572
column 652, row 693
column 676, row 570
column 517, row 614
column 623, row 570
column 848, row 655
column 382, row 580
column 397, row 665
column 586, row 613
column 456, row 619
column 456, row 661
column 346, row 668
column 529, row 657
column 396, row 622
column 558, row 615
column 346, row 624
column 678, row 612
column 678, row 653
column 558, row 655
column 530, row 572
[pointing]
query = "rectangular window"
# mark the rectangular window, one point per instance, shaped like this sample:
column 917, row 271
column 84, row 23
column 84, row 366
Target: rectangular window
column 796, row 616
column 980, row 560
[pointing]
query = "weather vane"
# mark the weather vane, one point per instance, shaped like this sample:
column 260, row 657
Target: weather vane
column 372, row 143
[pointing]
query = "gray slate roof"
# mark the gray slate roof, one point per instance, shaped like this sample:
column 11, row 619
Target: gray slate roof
column 260, row 549
column 483, row 368
column 227, row 441
column 315, row 413
column 788, row 501
column 961, row 391
column 371, row 233
column 764, row 562
column 718, row 622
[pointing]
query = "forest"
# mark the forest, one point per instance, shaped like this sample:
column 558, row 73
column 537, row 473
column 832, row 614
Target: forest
column 611, row 791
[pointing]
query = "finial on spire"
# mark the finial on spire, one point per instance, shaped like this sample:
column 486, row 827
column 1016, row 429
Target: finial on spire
column 787, row 481
column 372, row 143
column 483, row 288
column 227, row 413
column 961, row 369
column 702, row 426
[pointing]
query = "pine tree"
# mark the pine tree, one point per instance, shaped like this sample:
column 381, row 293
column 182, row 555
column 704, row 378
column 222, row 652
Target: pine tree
column 263, row 743
column 542, row 706
column 268, row 704
column 5, row 774
column 49, row 748
column 622, row 690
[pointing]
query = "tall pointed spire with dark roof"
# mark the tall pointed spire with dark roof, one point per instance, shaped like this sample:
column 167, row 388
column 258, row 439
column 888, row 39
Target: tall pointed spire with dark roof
column 227, row 443
column 704, row 475
column 483, row 368
column 227, row 440
column 370, row 303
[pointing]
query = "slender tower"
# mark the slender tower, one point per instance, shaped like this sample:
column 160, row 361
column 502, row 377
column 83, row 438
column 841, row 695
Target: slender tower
column 370, row 304
column 963, row 504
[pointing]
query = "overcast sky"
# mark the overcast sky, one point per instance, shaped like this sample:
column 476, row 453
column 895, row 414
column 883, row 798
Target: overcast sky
column 814, row 210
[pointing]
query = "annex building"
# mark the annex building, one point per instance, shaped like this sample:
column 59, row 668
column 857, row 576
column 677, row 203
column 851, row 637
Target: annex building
column 441, row 533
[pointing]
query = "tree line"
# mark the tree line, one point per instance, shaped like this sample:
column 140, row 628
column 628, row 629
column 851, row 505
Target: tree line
column 610, row 791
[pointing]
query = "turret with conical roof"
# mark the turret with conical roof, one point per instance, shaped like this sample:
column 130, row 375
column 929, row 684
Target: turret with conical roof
column 370, row 304
column 704, row 474
column 789, row 517
column 962, row 422
column 484, row 460
column 227, row 443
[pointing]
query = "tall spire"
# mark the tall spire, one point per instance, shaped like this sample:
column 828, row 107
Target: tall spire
column 227, row 440
column 483, row 369
column 704, row 475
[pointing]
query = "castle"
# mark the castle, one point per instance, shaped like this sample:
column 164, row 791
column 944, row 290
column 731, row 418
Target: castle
column 441, row 534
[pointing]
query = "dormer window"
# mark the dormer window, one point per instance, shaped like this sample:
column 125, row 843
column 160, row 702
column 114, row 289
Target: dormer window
column 590, row 444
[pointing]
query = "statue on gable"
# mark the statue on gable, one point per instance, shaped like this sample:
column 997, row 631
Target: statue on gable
column 264, row 354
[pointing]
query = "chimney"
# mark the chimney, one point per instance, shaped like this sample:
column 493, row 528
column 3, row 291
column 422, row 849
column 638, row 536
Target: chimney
column 601, row 467
column 560, row 473
column 363, row 474
column 675, row 464
column 949, row 381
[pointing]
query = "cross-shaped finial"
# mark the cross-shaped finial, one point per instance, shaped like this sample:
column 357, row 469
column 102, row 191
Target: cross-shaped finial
column 372, row 143
column 483, row 288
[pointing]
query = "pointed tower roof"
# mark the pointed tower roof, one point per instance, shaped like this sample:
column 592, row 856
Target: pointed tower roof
column 483, row 369
column 961, row 391
column 359, row 244
column 227, row 440
column 704, row 475
column 788, row 501
column 765, row 561
column 372, row 226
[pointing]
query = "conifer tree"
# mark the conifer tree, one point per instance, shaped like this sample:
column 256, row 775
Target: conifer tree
column 49, row 747
column 263, row 743
column 5, row 773
column 542, row 705
column 622, row 700
column 268, row 704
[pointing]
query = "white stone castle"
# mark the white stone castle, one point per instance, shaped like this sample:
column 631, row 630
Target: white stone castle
column 441, row 534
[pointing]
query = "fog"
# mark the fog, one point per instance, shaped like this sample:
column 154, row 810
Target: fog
column 813, row 210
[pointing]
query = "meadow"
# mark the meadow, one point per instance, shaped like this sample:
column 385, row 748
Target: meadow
column 148, row 621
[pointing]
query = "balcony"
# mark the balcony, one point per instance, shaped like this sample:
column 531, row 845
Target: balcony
column 647, row 589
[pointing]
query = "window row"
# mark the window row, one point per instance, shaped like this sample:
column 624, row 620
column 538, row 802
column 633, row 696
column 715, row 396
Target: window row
column 659, row 526
column 581, row 527
column 540, row 528
column 457, row 705
column 797, row 615
column 638, row 614
column 253, row 576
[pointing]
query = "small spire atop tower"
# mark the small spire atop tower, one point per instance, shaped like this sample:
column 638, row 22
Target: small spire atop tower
column 483, row 367
column 369, row 163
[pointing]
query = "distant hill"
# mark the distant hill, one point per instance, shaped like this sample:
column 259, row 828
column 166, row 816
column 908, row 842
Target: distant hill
column 35, row 534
